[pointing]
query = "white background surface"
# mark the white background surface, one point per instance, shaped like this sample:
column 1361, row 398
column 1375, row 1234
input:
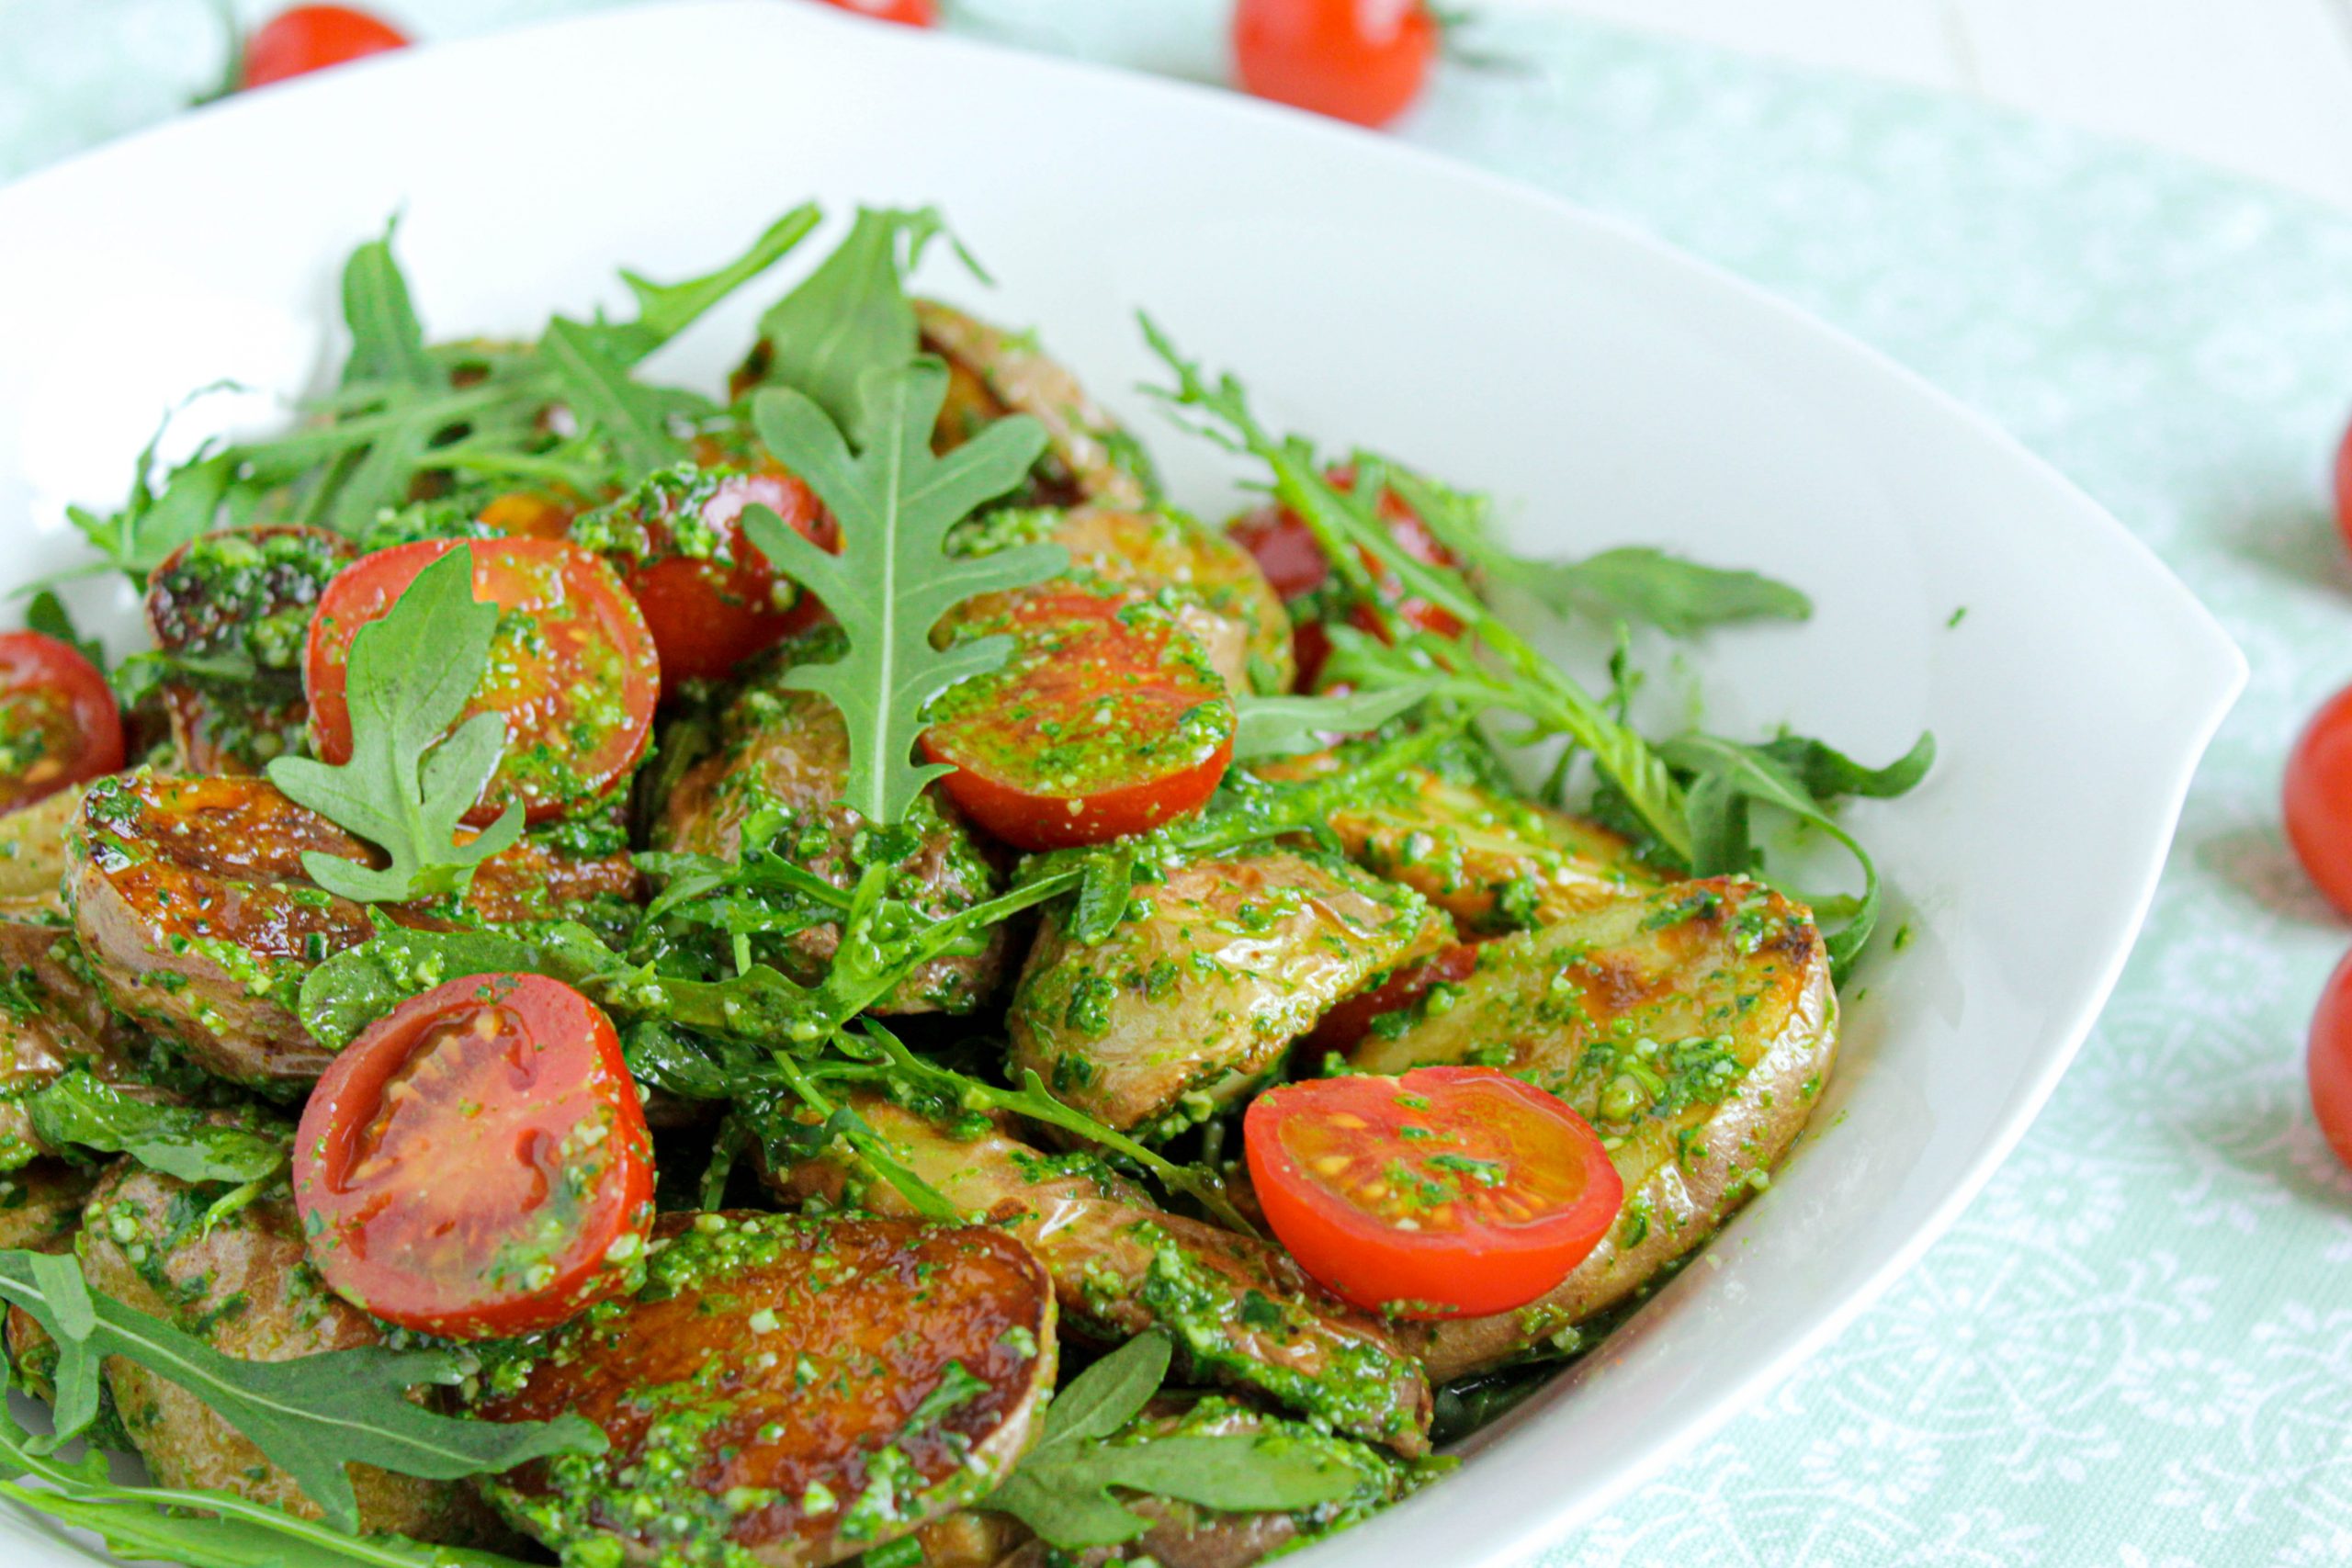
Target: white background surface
column 2260, row 86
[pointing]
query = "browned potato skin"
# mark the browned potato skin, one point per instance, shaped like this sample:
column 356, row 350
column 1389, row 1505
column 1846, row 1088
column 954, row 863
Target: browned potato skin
column 1722, row 957
column 992, row 373
column 790, row 749
column 51, row 1022
column 160, row 869
column 1197, row 1000
column 184, row 618
column 880, row 1308
column 1492, row 862
column 32, row 848
column 1093, row 1229
column 246, row 1289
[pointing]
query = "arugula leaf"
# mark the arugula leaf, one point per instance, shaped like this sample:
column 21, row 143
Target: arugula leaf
column 360, row 985
column 1062, row 1489
column 1829, row 775
column 665, row 309
column 312, row 1416
column 850, row 315
column 202, row 1530
column 405, row 787
column 78, row 1111
column 894, row 580
column 387, row 343
column 152, row 523
column 1679, row 596
column 1725, row 778
column 1347, row 525
column 1283, row 727
column 46, row 615
column 595, row 382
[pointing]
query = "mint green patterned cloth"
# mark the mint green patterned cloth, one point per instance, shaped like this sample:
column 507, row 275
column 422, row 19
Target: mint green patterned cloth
column 2135, row 1351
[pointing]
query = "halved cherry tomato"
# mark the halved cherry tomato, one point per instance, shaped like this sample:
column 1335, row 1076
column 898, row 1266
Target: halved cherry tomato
column 1287, row 551
column 571, row 668
column 1450, row 1191
column 710, row 597
column 2318, row 799
column 304, row 39
column 59, row 723
column 476, row 1163
column 2327, row 1061
column 911, row 13
column 1107, row 721
column 1350, row 1021
column 1355, row 59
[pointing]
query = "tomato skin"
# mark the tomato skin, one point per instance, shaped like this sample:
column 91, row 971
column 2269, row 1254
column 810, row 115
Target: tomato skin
column 59, row 721
column 1361, row 61
column 2344, row 487
column 303, row 39
column 907, row 13
column 496, row 1193
column 597, row 650
column 2327, row 1060
column 1080, row 656
column 710, row 611
column 1350, row 1021
column 2317, row 799
column 1533, row 1201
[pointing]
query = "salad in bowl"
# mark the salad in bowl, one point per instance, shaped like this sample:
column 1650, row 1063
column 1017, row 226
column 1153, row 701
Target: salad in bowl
column 810, row 971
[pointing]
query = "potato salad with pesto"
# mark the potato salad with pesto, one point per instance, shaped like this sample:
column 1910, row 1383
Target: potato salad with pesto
column 810, row 971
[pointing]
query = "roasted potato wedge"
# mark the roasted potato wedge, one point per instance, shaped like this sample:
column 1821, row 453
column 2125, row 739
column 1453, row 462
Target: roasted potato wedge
column 51, row 1022
column 1185, row 1007
column 1694, row 1026
column 244, row 1287
column 1239, row 1310
column 991, row 373
column 784, row 755
column 1211, row 584
column 242, row 595
column 785, row 1390
column 32, row 847
column 189, row 899
column 1493, row 862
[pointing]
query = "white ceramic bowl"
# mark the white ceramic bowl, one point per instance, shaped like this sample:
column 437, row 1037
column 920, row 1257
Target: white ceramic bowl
column 1609, row 390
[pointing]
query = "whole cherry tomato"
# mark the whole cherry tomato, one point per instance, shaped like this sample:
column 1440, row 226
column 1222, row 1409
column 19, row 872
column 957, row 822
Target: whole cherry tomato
column 910, row 13
column 2318, row 799
column 2327, row 1061
column 1450, row 1191
column 310, row 38
column 477, row 1164
column 1355, row 59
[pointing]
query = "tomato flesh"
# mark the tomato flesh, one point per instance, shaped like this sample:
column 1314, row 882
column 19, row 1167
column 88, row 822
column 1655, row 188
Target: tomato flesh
column 304, row 39
column 1450, row 1191
column 1362, row 60
column 709, row 597
column 1287, row 551
column 477, row 1162
column 59, row 722
column 573, row 668
column 1108, row 720
column 1350, row 1021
